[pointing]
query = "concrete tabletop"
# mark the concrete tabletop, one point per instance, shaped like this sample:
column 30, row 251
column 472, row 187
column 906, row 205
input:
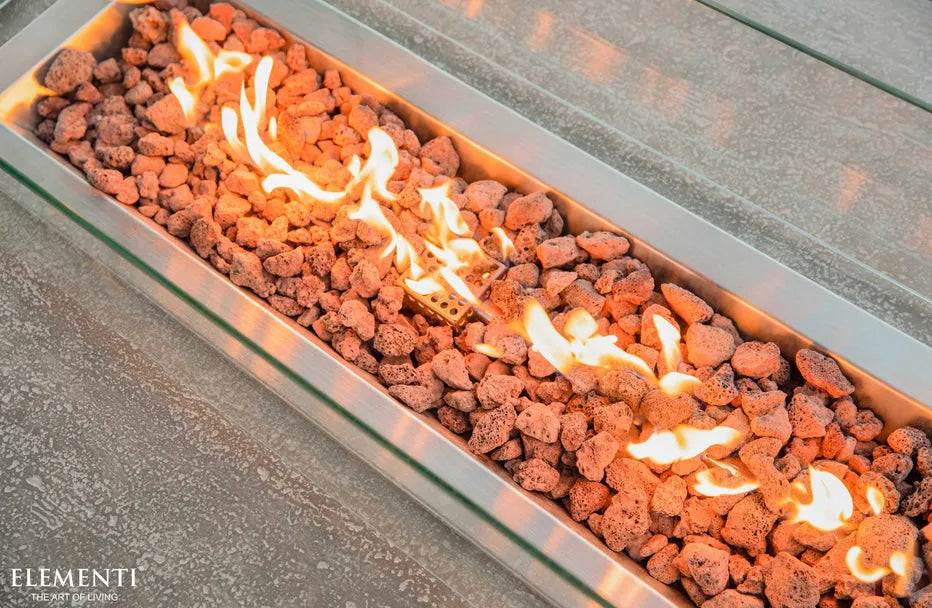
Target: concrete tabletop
column 125, row 440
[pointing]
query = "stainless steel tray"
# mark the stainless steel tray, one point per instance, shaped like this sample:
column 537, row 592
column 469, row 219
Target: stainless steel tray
column 531, row 535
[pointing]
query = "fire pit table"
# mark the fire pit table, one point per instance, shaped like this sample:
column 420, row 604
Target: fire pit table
column 622, row 402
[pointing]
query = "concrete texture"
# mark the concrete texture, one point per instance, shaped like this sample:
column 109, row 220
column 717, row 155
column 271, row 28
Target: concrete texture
column 127, row 442
column 858, row 33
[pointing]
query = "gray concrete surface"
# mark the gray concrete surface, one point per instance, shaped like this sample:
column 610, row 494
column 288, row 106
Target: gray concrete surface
column 891, row 41
column 124, row 438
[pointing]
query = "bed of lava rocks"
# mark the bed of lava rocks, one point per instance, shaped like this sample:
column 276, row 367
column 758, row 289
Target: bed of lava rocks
column 563, row 437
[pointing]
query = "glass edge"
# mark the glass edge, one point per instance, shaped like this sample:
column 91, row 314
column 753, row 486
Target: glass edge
column 818, row 55
column 256, row 349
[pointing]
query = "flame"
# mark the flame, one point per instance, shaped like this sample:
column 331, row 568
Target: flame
column 899, row 563
column 682, row 443
column 737, row 483
column 505, row 243
column 831, row 505
column 206, row 67
column 586, row 347
column 488, row 350
column 867, row 575
column 249, row 132
column 673, row 382
column 875, row 499
column 581, row 344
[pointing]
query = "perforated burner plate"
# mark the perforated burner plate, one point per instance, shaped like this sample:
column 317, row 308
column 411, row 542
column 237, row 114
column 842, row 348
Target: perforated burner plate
column 445, row 304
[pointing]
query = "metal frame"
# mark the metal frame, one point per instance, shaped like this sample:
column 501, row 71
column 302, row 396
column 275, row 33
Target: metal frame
column 423, row 457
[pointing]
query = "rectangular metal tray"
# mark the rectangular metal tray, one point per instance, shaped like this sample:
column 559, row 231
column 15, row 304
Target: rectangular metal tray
column 531, row 535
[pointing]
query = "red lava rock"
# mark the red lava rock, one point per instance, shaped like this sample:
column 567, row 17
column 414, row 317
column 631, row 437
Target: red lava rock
column 450, row 366
column 535, row 208
column 497, row 389
column 394, row 339
column 418, row 398
column 354, row 315
column 775, row 424
column 535, row 475
column 106, row 180
column 484, row 194
column 636, row 287
column 150, row 23
column 594, row 455
column 557, row 251
column 246, row 271
column 623, row 385
column 789, row 583
column 173, row 175
column 808, row 417
column 155, row 144
column 626, row 474
column 761, row 402
column 365, row 279
column 69, row 69
column 866, row 426
column 262, row 40
column 690, row 307
column 205, row 234
column 666, row 411
column 540, row 422
column 573, row 428
column 908, row 440
column 661, row 566
column 586, row 497
column 706, row 565
column 167, row 116
column 492, row 429
column 823, row 373
column 625, row 519
column 438, row 156
column 108, row 71
column 720, row 388
column 756, row 359
column 894, row 467
column 615, row 419
column 49, row 107
column 669, row 497
column 209, row 29
column 748, row 524
column 603, row 245
column 731, row 598
column 708, row 346
column 229, row 209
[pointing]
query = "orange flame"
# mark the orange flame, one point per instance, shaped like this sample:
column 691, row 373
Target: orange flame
column 682, row 443
column 505, row 243
column 207, row 67
column 580, row 343
column 736, row 483
column 582, row 346
column 673, row 382
column 831, row 505
column 875, row 499
column 898, row 564
column 247, row 128
column 488, row 350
